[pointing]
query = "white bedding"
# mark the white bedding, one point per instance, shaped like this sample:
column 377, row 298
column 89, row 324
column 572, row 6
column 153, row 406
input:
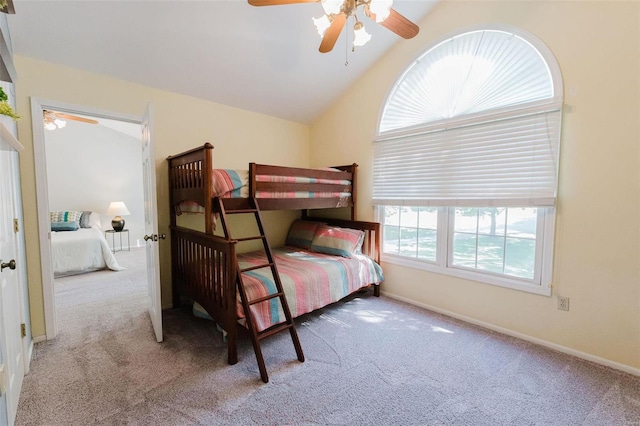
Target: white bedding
column 79, row 251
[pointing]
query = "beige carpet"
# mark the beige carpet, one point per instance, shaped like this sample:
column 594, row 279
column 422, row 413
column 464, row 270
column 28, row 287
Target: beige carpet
column 370, row 361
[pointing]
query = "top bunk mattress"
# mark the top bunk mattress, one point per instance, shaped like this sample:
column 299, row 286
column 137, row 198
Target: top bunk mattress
column 235, row 184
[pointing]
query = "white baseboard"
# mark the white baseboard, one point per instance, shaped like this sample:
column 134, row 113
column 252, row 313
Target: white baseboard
column 38, row 339
column 541, row 342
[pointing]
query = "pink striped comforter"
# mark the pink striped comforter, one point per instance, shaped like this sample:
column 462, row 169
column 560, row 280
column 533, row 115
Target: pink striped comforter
column 235, row 184
column 310, row 281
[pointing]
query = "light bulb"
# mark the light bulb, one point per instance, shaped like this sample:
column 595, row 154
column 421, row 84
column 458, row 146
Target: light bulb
column 59, row 123
column 332, row 7
column 50, row 126
column 360, row 35
column 322, row 24
column 381, row 8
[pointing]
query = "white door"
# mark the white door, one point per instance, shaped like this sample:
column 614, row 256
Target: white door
column 10, row 292
column 151, row 223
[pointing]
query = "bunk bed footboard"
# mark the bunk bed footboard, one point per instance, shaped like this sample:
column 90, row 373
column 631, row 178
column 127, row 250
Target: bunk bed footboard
column 204, row 270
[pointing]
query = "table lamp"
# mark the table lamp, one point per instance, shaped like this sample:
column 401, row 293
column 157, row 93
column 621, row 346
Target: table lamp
column 118, row 209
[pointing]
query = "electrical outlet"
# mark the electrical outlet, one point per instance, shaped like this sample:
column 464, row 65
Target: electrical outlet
column 563, row 303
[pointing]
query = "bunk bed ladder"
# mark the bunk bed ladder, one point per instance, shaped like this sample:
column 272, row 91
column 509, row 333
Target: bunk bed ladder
column 288, row 324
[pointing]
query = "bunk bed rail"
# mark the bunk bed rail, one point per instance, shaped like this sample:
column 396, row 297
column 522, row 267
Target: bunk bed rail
column 190, row 180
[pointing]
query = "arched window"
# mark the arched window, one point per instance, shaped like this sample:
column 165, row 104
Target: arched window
column 466, row 158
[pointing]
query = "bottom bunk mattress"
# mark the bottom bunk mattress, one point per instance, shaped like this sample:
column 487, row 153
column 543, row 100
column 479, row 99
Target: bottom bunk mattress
column 310, row 281
column 83, row 250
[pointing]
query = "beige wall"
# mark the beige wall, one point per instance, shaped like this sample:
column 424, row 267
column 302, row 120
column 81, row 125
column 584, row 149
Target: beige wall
column 597, row 256
column 181, row 123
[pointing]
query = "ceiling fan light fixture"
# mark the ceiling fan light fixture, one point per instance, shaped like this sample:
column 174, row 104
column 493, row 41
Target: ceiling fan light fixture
column 360, row 35
column 332, row 7
column 381, row 8
column 322, row 24
column 51, row 122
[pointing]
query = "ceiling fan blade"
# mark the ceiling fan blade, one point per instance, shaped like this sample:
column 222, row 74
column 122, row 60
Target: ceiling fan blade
column 332, row 33
column 397, row 23
column 75, row 117
column 278, row 2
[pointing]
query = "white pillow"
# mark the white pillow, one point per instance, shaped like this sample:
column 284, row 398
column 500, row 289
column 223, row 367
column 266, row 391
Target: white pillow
column 94, row 220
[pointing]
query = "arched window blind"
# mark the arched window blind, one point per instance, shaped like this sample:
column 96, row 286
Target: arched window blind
column 475, row 121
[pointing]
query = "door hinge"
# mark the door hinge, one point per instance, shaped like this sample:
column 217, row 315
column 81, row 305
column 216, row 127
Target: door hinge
column 16, row 226
column 23, row 330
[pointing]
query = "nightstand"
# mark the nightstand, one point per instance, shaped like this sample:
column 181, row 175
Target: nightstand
column 113, row 239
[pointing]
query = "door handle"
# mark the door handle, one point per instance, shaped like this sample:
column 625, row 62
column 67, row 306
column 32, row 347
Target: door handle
column 11, row 265
column 154, row 237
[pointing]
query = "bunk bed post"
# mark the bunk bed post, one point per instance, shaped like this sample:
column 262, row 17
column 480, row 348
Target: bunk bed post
column 252, row 186
column 207, row 166
column 354, row 183
column 175, row 295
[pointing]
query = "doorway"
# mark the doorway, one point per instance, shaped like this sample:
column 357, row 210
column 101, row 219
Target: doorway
column 110, row 123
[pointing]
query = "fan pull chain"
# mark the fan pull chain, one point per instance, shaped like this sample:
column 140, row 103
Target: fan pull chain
column 346, row 49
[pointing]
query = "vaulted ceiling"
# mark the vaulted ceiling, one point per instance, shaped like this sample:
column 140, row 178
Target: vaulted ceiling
column 262, row 59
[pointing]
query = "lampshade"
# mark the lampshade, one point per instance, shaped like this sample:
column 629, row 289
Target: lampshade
column 118, row 209
column 360, row 35
column 381, row 8
column 332, row 7
column 322, row 24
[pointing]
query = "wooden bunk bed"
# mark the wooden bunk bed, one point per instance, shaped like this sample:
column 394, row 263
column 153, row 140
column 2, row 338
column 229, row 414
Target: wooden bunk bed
column 205, row 266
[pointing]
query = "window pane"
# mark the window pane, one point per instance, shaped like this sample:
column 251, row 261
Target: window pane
column 464, row 250
column 409, row 217
column 490, row 253
column 491, row 221
column 428, row 218
column 466, row 219
column 408, row 242
column 520, row 257
column 391, row 215
column 390, row 241
column 521, row 222
column 427, row 244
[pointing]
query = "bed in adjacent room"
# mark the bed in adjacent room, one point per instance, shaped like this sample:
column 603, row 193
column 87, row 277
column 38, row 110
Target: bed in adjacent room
column 78, row 244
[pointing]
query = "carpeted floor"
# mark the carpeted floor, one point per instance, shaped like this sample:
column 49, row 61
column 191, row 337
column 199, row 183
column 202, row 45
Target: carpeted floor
column 370, row 361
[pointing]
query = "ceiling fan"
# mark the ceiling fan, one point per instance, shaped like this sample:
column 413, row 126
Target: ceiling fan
column 338, row 11
column 55, row 120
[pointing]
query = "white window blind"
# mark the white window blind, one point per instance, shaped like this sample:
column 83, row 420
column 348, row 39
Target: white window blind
column 473, row 122
column 472, row 72
column 507, row 162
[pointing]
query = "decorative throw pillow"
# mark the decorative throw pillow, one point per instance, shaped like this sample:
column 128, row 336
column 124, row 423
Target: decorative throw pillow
column 301, row 233
column 84, row 219
column 70, row 216
column 64, row 226
column 337, row 241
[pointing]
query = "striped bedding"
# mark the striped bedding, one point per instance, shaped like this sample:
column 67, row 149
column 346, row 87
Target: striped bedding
column 235, row 184
column 310, row 281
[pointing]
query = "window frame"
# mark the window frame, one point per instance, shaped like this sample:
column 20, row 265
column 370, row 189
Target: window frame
column 541, row 284
column 545, row 231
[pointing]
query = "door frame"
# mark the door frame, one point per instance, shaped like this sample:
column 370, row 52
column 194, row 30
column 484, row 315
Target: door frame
column 38, row 105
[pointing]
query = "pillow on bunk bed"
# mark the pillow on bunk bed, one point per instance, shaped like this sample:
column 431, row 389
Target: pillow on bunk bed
column 337, row 241
column 301, row 233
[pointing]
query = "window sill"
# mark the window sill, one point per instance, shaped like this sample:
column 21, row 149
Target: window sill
column 512, row 283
